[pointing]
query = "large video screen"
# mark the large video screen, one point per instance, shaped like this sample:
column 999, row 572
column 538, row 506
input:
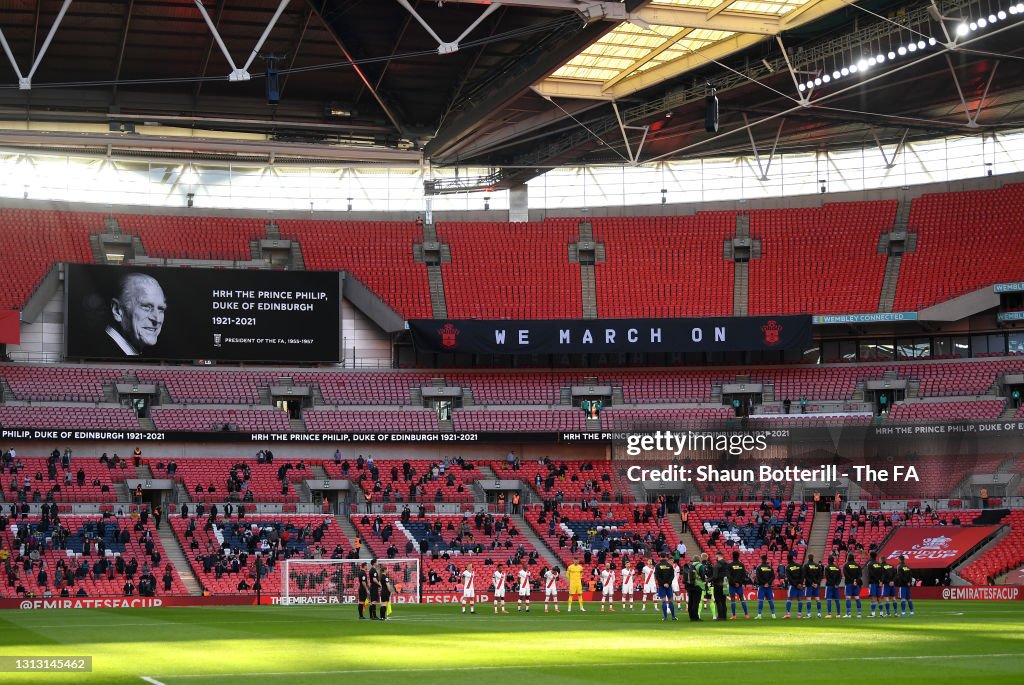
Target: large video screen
column 157, row 313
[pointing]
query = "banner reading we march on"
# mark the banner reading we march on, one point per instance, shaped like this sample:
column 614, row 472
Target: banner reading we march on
column 571, row 336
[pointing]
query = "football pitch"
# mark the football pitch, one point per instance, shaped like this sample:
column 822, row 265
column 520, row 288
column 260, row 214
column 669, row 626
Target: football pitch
column 947, row 642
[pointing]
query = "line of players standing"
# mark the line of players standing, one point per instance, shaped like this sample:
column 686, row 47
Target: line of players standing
column 703, row 583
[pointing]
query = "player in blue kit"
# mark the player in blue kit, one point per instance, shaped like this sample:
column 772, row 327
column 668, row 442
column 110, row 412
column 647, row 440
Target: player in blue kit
column 737, row 579
column 904, row 581
column 764, row 577
column 889, row 589
column 813, row 573
column 853, row 577
column 795, row 578
column 876, row 578
column 833, row 577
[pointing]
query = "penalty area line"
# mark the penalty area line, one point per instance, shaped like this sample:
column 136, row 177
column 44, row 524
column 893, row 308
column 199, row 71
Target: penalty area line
column 151, row 681
column 621, row 664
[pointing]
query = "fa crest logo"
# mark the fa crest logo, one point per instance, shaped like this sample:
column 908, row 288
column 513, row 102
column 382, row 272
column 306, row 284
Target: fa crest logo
column 934, row 543
column 449, row 335
column 772, row 330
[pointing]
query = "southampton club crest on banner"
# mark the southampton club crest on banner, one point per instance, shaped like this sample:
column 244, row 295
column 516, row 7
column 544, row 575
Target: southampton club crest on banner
column 772, row 331
column 449, row 336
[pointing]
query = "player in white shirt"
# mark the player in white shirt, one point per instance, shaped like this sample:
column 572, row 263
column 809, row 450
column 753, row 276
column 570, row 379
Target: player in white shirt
column 649, row 586
column 608, row 586
column 469, row 589
column 524, row 588
column 551, row 588
column 628, row 575
column 677, row 591
column 498, row 578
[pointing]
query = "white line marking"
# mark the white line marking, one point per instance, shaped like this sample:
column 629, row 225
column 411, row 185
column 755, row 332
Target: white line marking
column 630, row 664
column 407, row 618
column 152, row 681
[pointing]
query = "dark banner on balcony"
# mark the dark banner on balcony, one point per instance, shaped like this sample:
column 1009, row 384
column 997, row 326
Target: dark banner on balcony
column 610, row 336
column 121, row 312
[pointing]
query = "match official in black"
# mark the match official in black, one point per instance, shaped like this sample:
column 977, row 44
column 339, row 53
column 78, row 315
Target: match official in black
column 374, row 588
column 364, row 589
column 719, row 576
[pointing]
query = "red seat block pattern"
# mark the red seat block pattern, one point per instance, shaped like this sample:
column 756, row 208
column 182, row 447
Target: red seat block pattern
column 819, row 259
column 966, row 241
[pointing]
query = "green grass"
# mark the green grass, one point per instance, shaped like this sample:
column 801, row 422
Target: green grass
column 946, row 642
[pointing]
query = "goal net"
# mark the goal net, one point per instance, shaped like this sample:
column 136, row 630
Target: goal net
column 336, row 581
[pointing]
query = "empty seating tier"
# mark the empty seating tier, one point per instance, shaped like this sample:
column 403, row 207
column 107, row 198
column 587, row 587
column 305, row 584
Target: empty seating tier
column 819, row 259
column 965, row 241
column 511, row 270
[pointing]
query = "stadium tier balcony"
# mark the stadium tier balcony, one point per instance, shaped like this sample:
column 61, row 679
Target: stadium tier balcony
column 378, row 253
column 364, row 388
column 753, row 529
column 475, row 539
column 80, row 529
column 97, row 480
column 410, row 421
column 496, row 389
column 1006, row 555
column 210, row 387
column 939, row 476
column 974, row 377
column 980, row 410
column 662, row 419
column 525, row 421
column 664, row 266
column 799, row 271
column 770, row 421
column 68, row 416
column 264, row 483
column 244, row 537
column 246, row 420
column 35, row 240
column 951, row 261
column 194, row 237
column 661, row 387
column 58, row 384
column 387, row 482
column 511, row 270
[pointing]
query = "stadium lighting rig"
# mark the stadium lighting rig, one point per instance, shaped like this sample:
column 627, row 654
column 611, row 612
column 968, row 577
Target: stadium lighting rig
column 867, row 61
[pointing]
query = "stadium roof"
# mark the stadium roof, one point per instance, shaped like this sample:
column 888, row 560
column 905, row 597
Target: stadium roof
column 518, row 86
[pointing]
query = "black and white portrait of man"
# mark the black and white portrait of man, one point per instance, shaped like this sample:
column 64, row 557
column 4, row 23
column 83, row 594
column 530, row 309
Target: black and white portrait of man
column 136, row 314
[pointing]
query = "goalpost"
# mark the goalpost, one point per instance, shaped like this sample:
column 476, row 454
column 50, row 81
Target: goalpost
column 336, row 581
